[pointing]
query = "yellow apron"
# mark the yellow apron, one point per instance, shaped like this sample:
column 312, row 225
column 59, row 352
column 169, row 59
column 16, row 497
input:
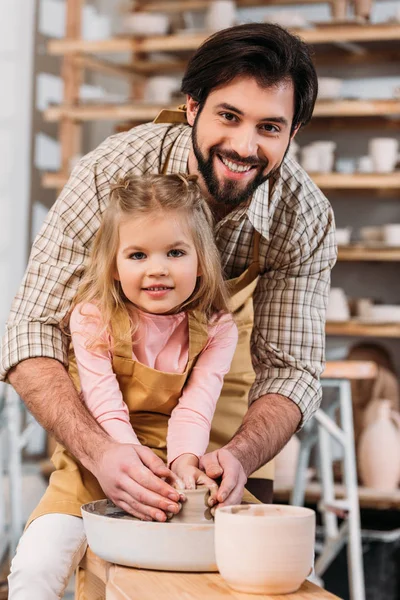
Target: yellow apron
column 150, row 395
column 233, row 402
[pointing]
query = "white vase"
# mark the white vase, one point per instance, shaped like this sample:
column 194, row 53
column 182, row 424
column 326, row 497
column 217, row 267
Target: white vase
column 379, row 448
column 286, row 463
column 220, row 15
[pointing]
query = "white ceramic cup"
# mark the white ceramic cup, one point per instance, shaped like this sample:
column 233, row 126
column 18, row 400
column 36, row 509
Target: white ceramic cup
column 365, row 164
column 383, row 152
column 391, row 234
column 143, row 23
column 343, row 235
column 159, row 89
column 264, row 548
column 338, row 306
column 220, row 15
column 371, row 234
column 310, row 159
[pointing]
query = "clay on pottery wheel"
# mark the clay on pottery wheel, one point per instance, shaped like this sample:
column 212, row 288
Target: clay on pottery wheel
column 195, row 509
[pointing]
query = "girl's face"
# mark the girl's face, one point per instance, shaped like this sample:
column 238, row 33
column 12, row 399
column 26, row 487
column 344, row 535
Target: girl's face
column 157, row 262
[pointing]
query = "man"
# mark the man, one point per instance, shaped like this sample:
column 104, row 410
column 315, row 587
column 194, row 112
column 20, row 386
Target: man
column 249, row 90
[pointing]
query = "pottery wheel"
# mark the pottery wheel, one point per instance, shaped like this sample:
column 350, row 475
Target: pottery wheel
column 120, row 538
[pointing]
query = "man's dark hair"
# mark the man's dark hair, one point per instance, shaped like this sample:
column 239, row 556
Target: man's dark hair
column 264, row 51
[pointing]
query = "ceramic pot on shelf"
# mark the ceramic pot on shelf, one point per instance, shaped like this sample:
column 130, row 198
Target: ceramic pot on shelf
column 363, row 8
column 286, row 463
column 220, row 15
column 339, row 9
column 379, row 448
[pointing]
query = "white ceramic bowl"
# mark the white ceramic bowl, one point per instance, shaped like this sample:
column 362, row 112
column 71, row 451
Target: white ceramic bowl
column 391, row 234
column 329, row 88
column 385, row 313
column 343, row 235
column 264, row 548
column 142, row 23
column 148, row 545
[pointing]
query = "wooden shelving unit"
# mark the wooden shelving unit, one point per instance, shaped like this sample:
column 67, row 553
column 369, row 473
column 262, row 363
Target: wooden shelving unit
column 146, row 112
column 368, row 497
column 356, row 328
column 189, row 42
column 358, row 252
column 338, row 181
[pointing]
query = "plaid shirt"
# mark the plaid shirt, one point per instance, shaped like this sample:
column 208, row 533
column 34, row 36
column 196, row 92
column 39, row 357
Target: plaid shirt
column 297, row 252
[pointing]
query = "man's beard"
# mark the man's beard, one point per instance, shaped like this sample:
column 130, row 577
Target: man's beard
column 229, row 192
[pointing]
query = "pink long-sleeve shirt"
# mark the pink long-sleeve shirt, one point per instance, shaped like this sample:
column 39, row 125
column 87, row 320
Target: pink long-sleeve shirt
column 162, row 343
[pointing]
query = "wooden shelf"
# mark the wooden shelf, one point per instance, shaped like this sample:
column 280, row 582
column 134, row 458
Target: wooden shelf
column 358, row 329
column 330, row 181
column 357, row 181
column 368, row 497
column 359, row 252
column 356, row 108
column 147, row 112
column 181, row 5
column 323, row 34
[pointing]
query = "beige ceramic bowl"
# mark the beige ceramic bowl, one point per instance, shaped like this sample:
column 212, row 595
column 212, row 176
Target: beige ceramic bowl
column 265, row 548
column 119, row 538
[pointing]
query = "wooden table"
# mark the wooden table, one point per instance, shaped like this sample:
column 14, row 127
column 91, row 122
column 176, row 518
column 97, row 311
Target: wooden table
column 100, row 580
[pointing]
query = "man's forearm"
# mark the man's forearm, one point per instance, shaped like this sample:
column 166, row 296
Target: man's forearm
column 267, row 427
column 49, row 394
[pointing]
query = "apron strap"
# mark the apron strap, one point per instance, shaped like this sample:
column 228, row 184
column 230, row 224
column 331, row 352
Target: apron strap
column 121, row 330
column 198, row 335
column 256, row 249
column 170, row 115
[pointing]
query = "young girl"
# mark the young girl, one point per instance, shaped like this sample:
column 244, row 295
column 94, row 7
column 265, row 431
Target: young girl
column 153, row 339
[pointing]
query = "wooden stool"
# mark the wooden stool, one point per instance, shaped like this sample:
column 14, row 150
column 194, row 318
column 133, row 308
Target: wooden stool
column 97, row 579
column 320, row 432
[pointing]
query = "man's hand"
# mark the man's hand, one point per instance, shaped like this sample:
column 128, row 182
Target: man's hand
column 186, row 468
column 130, row 475
column 222, row 463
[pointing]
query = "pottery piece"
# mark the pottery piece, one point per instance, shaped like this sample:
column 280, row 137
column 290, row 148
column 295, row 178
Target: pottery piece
column 287, row 18
column 365, row 165
column 329, row 88
column 391, row 234
column 383, row 152
column 326, row 150
column 264, row 548
column 371, row 234
column 343, row 235
column 195, row 509
column 379, row 449
column 220, row 15
column 338, row 306
column 286, row 463
column 159, row 89
column 339, row 9
column 345, row 165
column 145, row 23
column 119, row 538
column 362, row 8
column 310, row 159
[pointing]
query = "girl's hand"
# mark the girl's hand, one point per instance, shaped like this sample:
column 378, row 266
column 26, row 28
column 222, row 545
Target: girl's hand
column 186, row 468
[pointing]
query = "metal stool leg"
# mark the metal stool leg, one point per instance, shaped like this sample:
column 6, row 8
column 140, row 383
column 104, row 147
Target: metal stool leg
column 354, row 549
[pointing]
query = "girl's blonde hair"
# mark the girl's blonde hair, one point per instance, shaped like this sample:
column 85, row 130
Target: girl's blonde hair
column 137, row 196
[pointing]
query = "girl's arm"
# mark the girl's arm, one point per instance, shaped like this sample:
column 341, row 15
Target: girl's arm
column 190, row 422
column 100, row 388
